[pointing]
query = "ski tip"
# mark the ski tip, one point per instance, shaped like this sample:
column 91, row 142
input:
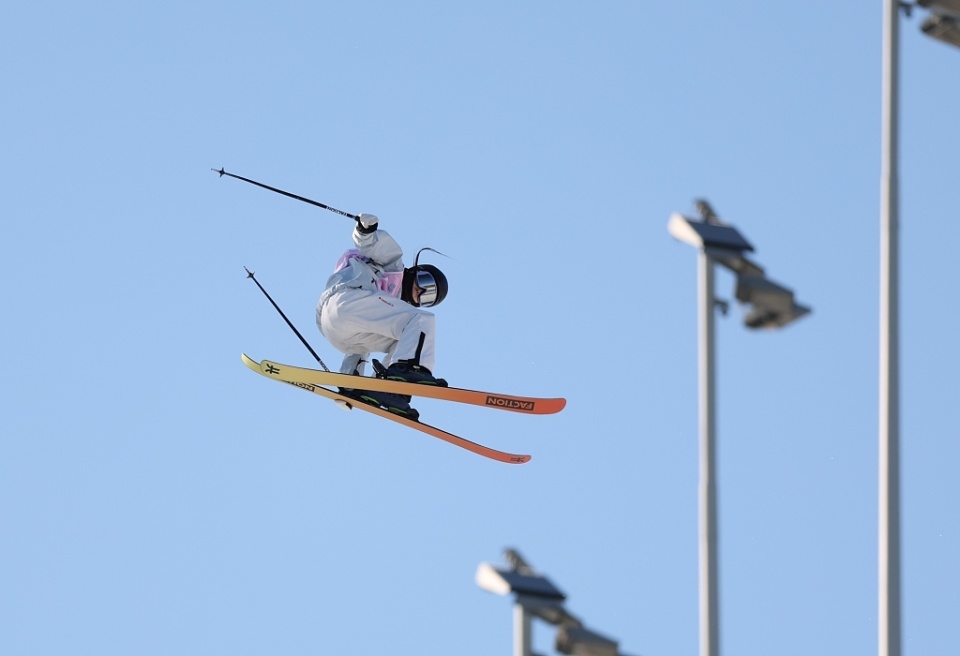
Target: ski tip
column 519, row 460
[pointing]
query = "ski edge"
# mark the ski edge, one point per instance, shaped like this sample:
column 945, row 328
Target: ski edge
column 456, row 440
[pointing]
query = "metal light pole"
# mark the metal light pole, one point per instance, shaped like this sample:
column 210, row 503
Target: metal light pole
column 709, row 578
column 943, row 24
column 889, row 452
column 772, row 306
column 522, row 631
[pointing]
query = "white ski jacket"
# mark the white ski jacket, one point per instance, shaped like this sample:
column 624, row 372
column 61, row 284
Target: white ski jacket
column 360, row 310
column 375, row 265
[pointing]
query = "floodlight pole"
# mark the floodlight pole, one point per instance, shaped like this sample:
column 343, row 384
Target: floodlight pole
column 720, row 243
column 889, row 423
column 709, row 609
column 522, row 631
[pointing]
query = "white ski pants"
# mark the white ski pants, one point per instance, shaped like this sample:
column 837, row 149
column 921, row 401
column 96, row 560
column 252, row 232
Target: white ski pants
column 360, row 322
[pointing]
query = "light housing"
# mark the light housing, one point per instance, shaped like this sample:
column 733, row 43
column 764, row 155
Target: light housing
column 943, row 7
column 944, row 22
column 579, row 641
column 714, row 235
column 772, row 304
column 503, row 581
column 942, row 28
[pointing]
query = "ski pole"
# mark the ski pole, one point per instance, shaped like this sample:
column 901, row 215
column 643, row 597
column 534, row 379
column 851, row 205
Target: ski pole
column 292, row 327
column 287, row 193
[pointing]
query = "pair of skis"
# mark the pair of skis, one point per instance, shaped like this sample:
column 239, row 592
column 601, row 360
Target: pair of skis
column 316, row 381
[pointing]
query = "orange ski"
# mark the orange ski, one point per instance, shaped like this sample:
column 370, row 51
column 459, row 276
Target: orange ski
column 264, row 369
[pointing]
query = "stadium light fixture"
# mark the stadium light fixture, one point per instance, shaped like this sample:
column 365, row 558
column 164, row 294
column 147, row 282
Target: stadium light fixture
column 536, row 597
column 773, row 305
column 578, row 641
column 943, row 23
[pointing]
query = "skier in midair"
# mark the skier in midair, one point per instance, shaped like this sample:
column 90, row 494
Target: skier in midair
column 373, row 304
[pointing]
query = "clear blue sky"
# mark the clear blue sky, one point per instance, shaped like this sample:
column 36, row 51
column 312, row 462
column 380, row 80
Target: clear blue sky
column 158, row 498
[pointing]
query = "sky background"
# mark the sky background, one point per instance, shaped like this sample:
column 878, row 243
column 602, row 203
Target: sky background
column 158, row 498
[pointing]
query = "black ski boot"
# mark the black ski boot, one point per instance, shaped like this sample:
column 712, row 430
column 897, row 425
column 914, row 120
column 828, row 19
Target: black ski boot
column 410, row 372
column 398, row 404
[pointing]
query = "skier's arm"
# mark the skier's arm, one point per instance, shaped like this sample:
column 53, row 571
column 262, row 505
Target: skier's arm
column 377, row 244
